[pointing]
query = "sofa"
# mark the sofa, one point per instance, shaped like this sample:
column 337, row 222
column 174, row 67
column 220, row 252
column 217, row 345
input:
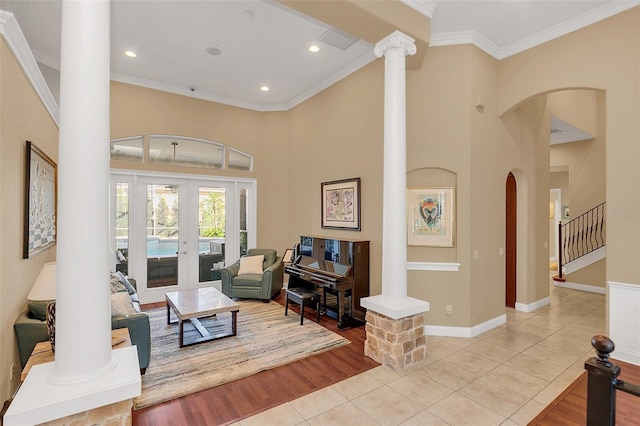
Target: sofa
column 31, row 328
column 263, row 283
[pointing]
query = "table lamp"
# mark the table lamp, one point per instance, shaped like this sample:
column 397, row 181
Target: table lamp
column 44, row 288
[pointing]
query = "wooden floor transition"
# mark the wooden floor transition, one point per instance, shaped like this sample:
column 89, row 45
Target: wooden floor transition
column 245, row 397
column 570, row 407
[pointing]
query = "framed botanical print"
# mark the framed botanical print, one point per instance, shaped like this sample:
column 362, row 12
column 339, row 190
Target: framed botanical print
column 431, row 217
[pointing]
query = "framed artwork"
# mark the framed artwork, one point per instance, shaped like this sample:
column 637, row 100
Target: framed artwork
column 341, row 204
column 40, row 202
column 431, row 217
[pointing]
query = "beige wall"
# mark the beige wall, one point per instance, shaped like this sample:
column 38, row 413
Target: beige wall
column 602, row 56
column 22, row 117
column 140, row 111
column 338, row 134
column 586, row 162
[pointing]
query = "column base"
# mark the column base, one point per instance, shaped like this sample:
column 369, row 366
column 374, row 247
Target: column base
column 96, row 401
column 397, row 342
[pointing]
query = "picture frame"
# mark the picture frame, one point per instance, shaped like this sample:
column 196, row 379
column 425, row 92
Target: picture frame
column 40, row 212
column 340, row 204
column 431, row 217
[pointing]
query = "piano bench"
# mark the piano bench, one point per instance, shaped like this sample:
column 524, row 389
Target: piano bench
column 302, row 296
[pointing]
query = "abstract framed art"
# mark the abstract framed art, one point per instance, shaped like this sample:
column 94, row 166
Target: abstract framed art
column 431, row 217
column 40, row 202
column 341, row 204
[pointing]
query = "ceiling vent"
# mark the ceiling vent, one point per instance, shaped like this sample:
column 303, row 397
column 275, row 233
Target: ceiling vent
column 337, row 38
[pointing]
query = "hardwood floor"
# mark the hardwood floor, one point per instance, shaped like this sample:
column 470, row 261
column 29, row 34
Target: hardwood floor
column 570, row 407
column 245, row 397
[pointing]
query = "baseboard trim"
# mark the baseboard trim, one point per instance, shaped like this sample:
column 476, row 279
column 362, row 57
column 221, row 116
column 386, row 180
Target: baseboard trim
column 581, row 287
column 433, row 266
column 523, row 307
column 447, row 331
column 631, row 357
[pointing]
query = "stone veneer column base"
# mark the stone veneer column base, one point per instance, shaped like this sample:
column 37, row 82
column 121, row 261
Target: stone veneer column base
column 117, row 414
column 395, row 343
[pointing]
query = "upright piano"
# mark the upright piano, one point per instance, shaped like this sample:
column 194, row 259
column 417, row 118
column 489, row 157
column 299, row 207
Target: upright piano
column 336, row 269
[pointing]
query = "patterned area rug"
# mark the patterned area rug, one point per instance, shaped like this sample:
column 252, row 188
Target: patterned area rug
column 266, row 338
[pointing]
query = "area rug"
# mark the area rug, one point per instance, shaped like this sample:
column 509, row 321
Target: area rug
column 266, row 338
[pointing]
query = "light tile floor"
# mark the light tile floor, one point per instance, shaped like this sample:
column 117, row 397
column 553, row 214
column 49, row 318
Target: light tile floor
column 505, row 376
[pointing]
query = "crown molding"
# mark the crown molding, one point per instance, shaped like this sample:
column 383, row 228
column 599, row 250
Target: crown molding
column 212, row 97
column 13, row 36
column 330, row 80
column 426, row 7
column 480, row 41
column 465, row 37
column 584, row 20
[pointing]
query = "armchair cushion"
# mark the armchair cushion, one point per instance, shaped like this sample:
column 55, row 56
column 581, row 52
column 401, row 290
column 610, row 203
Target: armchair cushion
column 251, row 265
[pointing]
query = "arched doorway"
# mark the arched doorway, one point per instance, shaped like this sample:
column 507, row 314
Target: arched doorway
column 511, row 233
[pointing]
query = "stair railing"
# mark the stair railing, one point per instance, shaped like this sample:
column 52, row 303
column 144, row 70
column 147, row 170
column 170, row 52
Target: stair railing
column 581, row 236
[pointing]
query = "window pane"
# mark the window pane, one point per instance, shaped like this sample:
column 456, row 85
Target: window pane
column 211, row 219
column 239, row 160
column 187, row 152
column 122, row 227
column 243, row 222
column 127, row 149
column 162, row 235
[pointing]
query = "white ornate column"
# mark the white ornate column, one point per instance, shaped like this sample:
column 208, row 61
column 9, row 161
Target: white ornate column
column 86, row 374
column 392, row 314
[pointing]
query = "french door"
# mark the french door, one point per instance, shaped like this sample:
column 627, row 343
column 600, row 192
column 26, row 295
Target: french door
column 174, row 232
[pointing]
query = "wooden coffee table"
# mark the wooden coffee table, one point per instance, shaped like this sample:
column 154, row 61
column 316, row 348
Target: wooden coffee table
column 190, row 305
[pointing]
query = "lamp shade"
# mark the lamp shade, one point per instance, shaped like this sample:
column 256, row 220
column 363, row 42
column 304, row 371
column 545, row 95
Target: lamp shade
column 45, row 286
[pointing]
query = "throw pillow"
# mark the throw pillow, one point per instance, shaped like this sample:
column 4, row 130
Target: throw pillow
column 38, row 309
column 251, row 265
column 125, row 282
column 117, row 286
column 121, row 304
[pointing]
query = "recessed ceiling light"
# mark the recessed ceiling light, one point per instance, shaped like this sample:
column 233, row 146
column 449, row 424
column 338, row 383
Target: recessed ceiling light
column 214, row 51
column 130, row 53
column 314, row 48
column 264, row 88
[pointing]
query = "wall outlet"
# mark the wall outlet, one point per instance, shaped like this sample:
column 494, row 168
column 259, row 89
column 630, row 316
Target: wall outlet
column 475, row 255
column 501, row 251
column 449, row 310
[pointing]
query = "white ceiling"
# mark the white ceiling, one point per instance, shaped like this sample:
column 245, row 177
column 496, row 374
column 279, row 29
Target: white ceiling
column 265, row 43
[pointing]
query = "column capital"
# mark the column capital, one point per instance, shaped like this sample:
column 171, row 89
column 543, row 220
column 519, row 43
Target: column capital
column 395, row 40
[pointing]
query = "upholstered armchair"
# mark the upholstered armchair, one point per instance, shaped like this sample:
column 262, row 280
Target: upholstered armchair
column 250, row 279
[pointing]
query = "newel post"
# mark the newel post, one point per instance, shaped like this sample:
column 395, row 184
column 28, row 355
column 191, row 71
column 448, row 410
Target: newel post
column 560, row 249
column 602, row 376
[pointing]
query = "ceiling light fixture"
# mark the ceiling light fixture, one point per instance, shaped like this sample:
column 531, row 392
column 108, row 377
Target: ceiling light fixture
column 264, row 88
column 130, row 53
column 314, row 48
